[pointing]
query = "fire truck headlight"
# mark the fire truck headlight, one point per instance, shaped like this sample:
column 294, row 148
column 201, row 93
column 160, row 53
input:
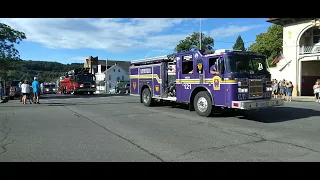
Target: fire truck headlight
column 93, row 85
column 242, row 90
column 47, row 89
column 243, row 83
column 269, row 88
column 81, row 85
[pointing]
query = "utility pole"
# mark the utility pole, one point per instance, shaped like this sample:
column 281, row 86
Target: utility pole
column 106, row 76
column 200, row 35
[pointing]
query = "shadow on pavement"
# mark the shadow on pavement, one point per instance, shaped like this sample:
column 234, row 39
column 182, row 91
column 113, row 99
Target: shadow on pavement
column 270, row 115
column 280, row 114
column 70, row 96
column 66, row 104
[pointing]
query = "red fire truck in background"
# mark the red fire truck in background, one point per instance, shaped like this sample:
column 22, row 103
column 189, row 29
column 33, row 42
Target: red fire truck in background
column 78, row 81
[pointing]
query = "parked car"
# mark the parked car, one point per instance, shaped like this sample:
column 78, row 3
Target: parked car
column 123, row 87
column 14, row 89
column 127, row 88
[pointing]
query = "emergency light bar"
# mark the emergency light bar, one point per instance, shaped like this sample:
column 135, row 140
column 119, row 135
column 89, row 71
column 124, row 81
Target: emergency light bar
column 220, row 51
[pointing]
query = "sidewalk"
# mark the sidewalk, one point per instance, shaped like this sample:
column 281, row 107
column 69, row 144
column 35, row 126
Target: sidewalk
column 304, row 99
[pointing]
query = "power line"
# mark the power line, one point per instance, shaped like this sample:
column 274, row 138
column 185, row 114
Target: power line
column 233, row 42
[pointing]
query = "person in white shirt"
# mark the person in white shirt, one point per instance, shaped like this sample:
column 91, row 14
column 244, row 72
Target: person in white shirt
column 25, row 90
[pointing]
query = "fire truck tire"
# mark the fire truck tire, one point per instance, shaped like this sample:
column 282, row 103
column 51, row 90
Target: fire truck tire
column 146, row 97
column 91, row 93
column 203, row 104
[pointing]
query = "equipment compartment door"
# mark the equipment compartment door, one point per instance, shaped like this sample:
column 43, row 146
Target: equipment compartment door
column 134, row 81
column 156, row 80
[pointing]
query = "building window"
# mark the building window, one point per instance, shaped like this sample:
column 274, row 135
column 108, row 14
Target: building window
column 109, row 85
column 316, row 36
column 109, row 77
column 118, row 79
column 122, row 77
column 118, row 70
column 114, row 70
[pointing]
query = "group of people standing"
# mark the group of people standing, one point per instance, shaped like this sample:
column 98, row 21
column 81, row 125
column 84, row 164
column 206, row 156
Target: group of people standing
column 282, row 89
column 26, row 90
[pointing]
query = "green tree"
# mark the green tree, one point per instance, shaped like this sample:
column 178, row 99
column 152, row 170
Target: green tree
column 269, row 43
column 9, row 55
column 192, row 42
column 239, row 44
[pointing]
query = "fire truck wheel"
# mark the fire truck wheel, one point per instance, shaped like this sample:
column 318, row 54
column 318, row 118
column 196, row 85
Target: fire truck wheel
column 146, row 97
column 203, row 104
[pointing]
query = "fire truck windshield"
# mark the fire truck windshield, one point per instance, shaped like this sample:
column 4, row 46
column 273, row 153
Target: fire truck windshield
column 250, row 64
column 49, row 86
column 85, row 78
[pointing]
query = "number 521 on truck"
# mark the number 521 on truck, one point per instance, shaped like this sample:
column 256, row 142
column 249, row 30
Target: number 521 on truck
column 205, row 80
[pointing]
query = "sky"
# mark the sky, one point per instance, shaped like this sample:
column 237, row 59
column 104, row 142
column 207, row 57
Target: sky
column 72, row 40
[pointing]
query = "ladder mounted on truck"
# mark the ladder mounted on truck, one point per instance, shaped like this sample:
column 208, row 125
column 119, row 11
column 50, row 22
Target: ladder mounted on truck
column 153, row 60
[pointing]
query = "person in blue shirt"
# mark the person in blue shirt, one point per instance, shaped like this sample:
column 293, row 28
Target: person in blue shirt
column 214, row 69
column 36, row 90
column 19, row 84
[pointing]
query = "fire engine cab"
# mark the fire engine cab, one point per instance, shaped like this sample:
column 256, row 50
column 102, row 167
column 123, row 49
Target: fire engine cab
column 78, row 81
column 204, row 80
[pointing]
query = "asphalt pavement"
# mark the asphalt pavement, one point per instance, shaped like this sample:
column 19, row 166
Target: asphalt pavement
column 119, row 128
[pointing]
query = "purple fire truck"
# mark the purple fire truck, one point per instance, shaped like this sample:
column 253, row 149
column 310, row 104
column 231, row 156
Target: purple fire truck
column 205, row 80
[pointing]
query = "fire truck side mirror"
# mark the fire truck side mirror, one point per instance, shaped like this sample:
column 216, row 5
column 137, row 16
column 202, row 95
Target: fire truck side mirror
column 220, row 65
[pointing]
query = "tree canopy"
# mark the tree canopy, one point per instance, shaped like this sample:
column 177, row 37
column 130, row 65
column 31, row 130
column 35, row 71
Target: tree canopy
column 9, row 55
column 269, row 43
column 239, row 44
column 192, row 42
column 45, row 71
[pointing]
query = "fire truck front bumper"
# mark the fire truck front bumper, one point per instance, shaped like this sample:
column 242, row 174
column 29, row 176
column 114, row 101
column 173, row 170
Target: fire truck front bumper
column 85, row 90
column 257, row 104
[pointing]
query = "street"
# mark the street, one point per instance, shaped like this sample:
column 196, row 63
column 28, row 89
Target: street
column 120, row 128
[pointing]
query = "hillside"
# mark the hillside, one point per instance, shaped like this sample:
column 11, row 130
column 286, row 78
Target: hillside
column 44, row 70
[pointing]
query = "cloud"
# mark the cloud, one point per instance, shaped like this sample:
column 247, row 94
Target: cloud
column 113, row 34
column 156, row 51
column 79, row 58
column 231, row 30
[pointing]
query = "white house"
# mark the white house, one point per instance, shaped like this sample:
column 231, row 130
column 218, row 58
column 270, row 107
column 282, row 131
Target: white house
column 115, row 74
column 301, row 52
